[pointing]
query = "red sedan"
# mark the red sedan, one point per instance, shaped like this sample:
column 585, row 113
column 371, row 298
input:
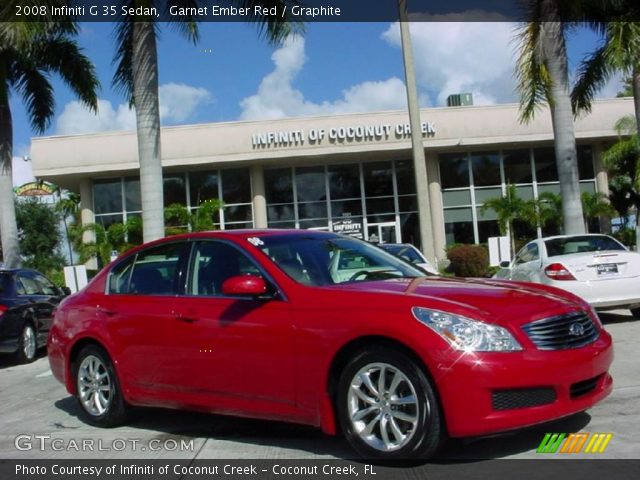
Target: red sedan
column 330, row 331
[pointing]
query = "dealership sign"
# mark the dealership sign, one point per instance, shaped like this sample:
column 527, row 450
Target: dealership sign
column 347, row 226
column 345, row 134
column 34, row 189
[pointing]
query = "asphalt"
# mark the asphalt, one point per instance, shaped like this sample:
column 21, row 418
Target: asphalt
column 38, row 420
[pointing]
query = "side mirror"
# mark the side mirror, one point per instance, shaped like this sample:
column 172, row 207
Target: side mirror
column 66, row 291
column 505, row 264
column 244, row 285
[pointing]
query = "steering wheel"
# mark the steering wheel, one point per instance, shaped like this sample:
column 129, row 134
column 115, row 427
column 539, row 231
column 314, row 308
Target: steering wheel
column 358, row 274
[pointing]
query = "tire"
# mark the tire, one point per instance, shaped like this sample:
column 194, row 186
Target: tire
column 98, row 390
column 27, row 344
column 635, row 312
column 379, row 426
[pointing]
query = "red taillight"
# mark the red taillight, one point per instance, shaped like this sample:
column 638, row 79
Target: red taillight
column 557, row 271
column 3, row 309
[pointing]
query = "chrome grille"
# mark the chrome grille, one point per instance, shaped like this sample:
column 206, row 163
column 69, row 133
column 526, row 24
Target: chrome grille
column 572, row 330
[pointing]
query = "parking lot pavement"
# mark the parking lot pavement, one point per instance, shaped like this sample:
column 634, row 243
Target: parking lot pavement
column 39, row 420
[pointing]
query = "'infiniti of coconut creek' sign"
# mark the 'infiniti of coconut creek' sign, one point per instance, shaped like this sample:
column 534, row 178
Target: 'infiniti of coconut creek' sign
column 347, row 134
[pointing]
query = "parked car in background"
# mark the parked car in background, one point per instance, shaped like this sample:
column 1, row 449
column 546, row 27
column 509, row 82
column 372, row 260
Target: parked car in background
column 597, row 268
column 411, row 254
column 27, row 301
column 325, row 330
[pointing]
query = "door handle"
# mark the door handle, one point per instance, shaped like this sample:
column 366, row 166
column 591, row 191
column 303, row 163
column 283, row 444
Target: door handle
column 182, row 318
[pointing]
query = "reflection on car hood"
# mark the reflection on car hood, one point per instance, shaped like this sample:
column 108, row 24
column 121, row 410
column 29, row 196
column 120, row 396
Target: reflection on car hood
column 495, row 301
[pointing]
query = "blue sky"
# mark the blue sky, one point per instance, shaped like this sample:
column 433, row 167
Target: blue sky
column 233, row 74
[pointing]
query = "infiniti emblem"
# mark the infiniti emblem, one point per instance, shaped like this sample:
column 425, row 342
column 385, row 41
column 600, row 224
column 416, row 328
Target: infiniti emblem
column 576, row 329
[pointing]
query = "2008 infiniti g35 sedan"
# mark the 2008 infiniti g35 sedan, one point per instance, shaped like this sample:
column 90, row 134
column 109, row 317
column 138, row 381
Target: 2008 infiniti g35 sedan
column 325, row 330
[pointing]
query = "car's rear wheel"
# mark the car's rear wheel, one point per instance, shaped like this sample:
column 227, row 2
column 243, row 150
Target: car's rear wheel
column 27, row 344
column 97, row 388
column 635, row 312
column 387, row 407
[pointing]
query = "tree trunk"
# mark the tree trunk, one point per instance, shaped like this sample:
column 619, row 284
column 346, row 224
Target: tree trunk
column 8, row 225
column 145, row 97
column 635, row 83
column 555, row 59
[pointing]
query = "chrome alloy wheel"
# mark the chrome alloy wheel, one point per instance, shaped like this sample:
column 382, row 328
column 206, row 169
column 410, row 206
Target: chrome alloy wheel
column 94, row 386
column 29, row 342
column 383, row 407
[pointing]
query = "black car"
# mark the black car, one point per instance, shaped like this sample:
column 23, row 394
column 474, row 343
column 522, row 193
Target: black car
column 27, row 301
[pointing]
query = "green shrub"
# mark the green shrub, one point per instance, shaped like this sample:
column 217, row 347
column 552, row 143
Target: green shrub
column 626, row 236
column 468, row 261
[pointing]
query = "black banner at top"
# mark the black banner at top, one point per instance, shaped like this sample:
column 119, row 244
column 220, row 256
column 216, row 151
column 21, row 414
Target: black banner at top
column 312, row 10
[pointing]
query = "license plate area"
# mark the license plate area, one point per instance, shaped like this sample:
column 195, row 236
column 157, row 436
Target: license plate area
column 605, row 269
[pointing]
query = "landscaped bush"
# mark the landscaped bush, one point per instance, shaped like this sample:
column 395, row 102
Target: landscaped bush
column 468, row 261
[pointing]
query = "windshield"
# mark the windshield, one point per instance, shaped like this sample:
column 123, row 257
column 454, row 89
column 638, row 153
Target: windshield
column 404, row 251
column 328, row 260
column 581, row 244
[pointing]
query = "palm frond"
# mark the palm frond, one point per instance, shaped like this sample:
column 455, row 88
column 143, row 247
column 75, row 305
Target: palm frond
column 626, row 126
column 36, row 90
column 187, row 24
column 592, row 74
column 532, row 77
column 123, row 59
column 274, row 28
column 63, row 56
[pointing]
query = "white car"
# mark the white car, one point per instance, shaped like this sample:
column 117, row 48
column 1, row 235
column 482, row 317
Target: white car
column 411, row 254
column 597, row 268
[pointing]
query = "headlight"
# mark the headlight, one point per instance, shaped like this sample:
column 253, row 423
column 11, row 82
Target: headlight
column 466, row 334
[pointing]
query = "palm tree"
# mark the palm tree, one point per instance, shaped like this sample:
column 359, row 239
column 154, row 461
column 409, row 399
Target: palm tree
column 68, row 206
column 544, row 212
column 508, row 208
column 620, row 52
column 542, row 74
column 29, row 53
column 137, row 75
column 595, row 205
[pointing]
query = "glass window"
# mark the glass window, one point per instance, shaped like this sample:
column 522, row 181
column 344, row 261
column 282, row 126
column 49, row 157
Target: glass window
column 454, row 170
column 107, row 220
column 107, row 196
column 346, row 208
column 203, row 186
column 517, row 166
column 454, row 198
column 278, row 213
column 486, row 169
column 458, row 225
column 484, row 194
column 406, row 182
column 312, row 210
column 174, row 190
column 546, row 170
column 29, row 285
column 278, row 184
column 585, row 162
column 525, row 192
column 236, row 185
column 378, row 179
column 310, row 184
column 409, row 228
column 132, row 198
column 579, row 244
column 528, row 253
column 380, row 206
column 215, row 262
column 344, row 181
column 408, row 203
column 487, row 229
column 46, row 287
column 237, row 213
column 156, row 270
column 120, row 276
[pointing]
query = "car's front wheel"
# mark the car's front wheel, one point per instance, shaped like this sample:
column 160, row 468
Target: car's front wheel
column 97, row 388
column 387, row 407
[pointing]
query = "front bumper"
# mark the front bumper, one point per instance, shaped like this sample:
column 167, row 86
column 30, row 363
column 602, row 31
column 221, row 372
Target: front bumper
column 468, row 383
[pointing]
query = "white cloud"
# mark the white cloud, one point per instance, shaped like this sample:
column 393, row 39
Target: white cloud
column 458, row 57
column 178, row 102
column 277, row 98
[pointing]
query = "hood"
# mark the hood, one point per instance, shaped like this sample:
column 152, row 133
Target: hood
column 494, row 301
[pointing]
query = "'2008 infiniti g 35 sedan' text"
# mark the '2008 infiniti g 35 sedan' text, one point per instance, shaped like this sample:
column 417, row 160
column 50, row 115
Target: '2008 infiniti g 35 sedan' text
column 325, row 330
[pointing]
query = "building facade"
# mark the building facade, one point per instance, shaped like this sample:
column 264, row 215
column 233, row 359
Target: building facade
column 348, row 173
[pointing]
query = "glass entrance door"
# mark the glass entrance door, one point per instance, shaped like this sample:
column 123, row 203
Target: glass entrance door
column 387, row 232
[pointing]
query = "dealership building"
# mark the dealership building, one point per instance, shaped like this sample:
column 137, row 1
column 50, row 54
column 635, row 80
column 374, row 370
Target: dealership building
column 351, row 173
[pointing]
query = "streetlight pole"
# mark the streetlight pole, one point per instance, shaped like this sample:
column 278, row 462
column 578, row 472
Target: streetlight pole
column 419, row 164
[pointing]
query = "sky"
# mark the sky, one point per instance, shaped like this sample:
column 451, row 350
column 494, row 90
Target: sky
column 233, row 74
